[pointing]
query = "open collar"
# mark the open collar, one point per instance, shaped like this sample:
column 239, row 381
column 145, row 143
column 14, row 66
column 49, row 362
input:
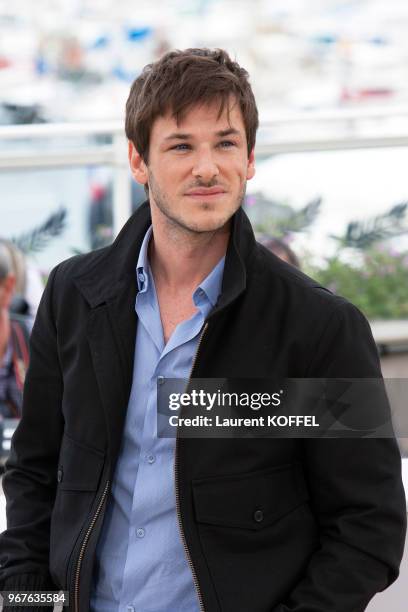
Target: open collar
column 112, row 268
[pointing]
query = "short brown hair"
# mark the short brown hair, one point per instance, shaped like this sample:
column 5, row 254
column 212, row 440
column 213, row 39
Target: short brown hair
column 183, row 79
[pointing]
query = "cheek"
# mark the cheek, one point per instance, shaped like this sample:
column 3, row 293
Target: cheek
column 166, row 176
column 240, row 177
column 240, row 169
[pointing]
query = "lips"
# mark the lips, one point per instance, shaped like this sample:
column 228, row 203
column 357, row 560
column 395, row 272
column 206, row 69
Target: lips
column 202, row 191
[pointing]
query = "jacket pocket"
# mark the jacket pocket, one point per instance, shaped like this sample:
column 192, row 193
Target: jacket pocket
column 256, row 535
column 78, row 477
column 79, row 466
column 250, row 501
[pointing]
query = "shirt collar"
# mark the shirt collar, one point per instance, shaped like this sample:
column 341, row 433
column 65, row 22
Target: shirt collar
column 142, row 267
column 211, row 285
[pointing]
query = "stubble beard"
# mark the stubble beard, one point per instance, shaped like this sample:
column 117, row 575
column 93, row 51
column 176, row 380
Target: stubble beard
column 176, row 222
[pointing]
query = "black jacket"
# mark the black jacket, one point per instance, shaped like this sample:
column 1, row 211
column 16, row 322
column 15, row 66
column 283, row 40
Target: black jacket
column 333, row 510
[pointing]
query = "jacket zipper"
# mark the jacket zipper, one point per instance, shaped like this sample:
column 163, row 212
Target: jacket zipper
column 98, row 510
column 83, row 546
column 176, row 481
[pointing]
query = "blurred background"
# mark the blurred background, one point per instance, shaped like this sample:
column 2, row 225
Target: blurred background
column 331, row 81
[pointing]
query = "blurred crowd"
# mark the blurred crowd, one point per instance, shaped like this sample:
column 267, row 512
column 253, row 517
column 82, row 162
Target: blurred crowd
column 20, row 292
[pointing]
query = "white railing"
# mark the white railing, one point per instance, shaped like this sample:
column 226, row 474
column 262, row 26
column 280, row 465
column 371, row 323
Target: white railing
column 114, row 154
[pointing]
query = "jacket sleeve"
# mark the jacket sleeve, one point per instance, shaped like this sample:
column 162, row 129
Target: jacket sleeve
column 30, row 479
column 355, row 489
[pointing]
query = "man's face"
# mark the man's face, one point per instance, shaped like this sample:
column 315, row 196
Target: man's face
column 197, row 170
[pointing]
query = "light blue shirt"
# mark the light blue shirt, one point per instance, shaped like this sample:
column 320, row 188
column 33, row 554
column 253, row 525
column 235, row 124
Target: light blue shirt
column 140, row 563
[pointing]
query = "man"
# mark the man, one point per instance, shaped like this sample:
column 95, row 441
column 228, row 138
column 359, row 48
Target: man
column 13, row 342
column 124, row 520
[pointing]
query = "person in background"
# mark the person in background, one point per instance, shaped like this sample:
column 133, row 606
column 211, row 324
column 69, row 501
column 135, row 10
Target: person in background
column 280, row 249
column 14, row 338
column 29, row 286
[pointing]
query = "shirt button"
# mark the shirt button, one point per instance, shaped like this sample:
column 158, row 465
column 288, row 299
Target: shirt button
column 130, row 609
column 160, row 380
column 141, row 277
column 151, row 458
column 258, row 516
column 140, row 532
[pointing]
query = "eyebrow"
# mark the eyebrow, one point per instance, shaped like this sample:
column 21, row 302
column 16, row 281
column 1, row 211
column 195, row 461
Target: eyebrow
column 220, row 134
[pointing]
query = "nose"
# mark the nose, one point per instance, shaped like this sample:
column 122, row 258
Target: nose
column 205, row 166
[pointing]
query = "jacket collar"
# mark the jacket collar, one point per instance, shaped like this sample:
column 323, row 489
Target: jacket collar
column 112, row 268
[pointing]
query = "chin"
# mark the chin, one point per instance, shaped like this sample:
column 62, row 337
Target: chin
column 210, row 222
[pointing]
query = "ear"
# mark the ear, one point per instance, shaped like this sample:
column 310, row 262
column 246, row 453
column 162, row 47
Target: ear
column 137, row 165
column 251, row 165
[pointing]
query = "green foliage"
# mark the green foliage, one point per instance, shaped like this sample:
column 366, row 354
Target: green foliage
column 364, row 234
column 376, row 281
column 38, row 238
column 289, row 221
column 378, row 285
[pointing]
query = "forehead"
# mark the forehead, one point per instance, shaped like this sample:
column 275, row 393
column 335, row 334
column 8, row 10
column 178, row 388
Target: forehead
column 199, row 120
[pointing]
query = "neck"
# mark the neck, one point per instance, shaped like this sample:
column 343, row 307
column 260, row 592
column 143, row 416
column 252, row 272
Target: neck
column 181, row 260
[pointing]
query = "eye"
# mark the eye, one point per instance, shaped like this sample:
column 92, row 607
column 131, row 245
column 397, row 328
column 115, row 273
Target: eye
column 226, row 144
column 181, row 147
